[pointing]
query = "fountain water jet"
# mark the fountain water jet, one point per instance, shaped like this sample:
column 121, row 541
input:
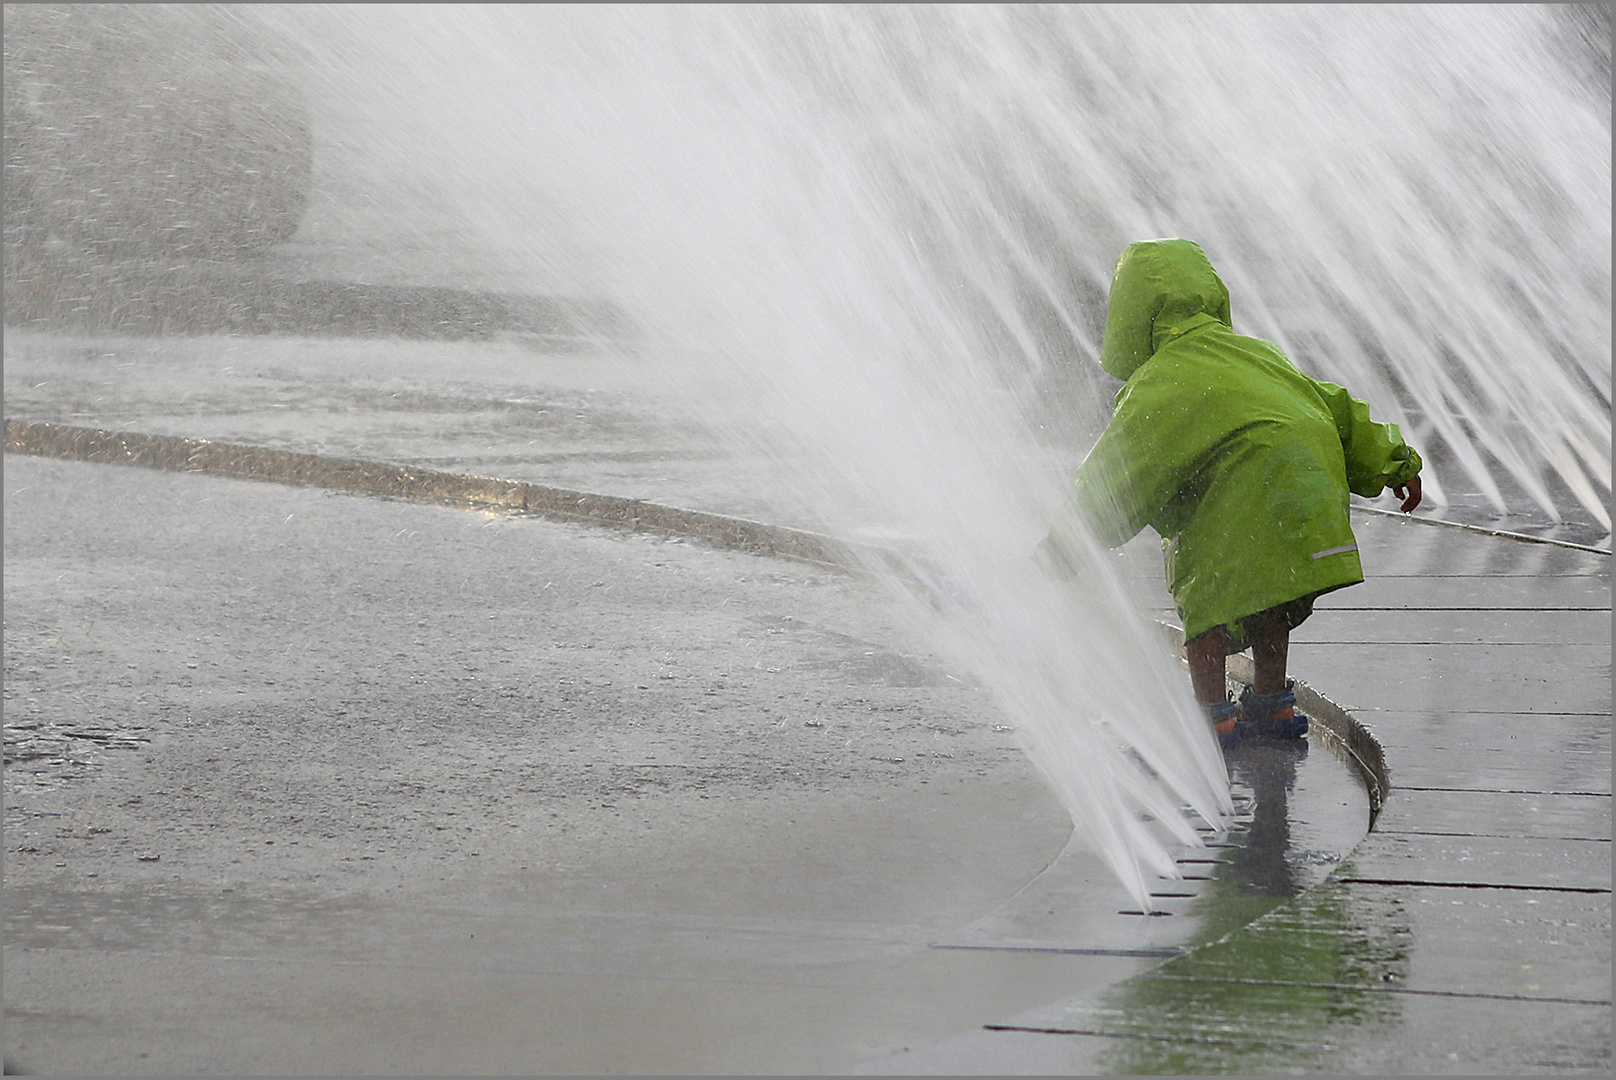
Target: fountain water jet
column 874, row 245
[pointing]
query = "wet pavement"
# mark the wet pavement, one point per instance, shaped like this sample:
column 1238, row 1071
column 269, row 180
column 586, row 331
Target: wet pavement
column 1469, row 933
column 359, row 785
column 284, row 806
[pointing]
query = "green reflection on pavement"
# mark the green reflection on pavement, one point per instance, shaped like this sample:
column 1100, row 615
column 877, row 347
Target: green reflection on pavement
column 1276, row 981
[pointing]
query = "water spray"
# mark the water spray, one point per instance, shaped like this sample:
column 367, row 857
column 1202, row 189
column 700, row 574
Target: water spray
column 871, row 246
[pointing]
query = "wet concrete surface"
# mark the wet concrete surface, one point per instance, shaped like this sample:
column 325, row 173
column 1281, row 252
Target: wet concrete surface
column 61, row 292
column 611, row 423
column 411, row 789
column 262, row 817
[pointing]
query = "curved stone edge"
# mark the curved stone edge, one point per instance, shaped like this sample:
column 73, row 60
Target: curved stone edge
column 247, row 462
column 1335, row 723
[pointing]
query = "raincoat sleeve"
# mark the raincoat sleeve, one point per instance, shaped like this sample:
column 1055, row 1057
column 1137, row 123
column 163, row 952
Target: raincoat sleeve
column 1139, row 464
column 1100, row 505
column 1377, row 457
column 1104, row 495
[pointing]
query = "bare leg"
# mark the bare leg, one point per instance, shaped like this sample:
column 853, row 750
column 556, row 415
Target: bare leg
column 1270, row 650
column 1205, row 653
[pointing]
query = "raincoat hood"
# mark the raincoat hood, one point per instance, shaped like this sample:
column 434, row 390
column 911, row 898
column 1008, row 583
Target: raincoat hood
column 1161, row 290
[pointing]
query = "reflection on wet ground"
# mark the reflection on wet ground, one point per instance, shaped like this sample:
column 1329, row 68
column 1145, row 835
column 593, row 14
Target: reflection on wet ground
column 1267, row 860
column 1297, row 815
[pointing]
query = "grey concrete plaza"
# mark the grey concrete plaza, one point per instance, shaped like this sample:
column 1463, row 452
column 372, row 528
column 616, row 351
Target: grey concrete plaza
column 308, row 782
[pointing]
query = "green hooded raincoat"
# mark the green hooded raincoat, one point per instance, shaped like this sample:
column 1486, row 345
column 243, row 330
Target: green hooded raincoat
column 1237, row 459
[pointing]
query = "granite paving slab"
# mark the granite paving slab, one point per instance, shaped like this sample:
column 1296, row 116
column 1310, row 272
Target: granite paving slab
column 1481, row 860
column 1423, row 626
column 1536, row 679
column 1563, row 593
column 1496, row 751
column 1507, row 813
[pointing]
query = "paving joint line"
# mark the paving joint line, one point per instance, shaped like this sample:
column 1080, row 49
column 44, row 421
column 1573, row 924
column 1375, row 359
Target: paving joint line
column 1313, row 643
column 1428, row 608
column 1505, row 791
column 1384, row 988
column 1586, row 890
column 1145, row 1036
column 1494, row 836
column 1168, row 952
column 1506, row 576
column 1485, row 712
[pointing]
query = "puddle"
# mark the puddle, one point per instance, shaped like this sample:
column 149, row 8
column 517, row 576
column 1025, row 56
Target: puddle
column 1309, row 808
column 44, row 754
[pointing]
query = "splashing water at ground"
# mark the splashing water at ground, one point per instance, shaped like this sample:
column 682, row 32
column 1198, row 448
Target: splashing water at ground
column 873, row 245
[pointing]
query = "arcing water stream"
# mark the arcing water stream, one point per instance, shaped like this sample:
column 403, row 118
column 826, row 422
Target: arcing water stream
column 873, row 244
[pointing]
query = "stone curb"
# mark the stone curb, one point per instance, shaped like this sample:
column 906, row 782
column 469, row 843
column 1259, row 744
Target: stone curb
column 246, row 462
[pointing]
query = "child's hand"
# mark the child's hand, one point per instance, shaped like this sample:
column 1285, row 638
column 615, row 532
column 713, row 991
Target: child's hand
column 1409, row 493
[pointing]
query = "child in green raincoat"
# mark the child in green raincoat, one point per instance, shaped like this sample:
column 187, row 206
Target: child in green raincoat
column 1242, row 464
